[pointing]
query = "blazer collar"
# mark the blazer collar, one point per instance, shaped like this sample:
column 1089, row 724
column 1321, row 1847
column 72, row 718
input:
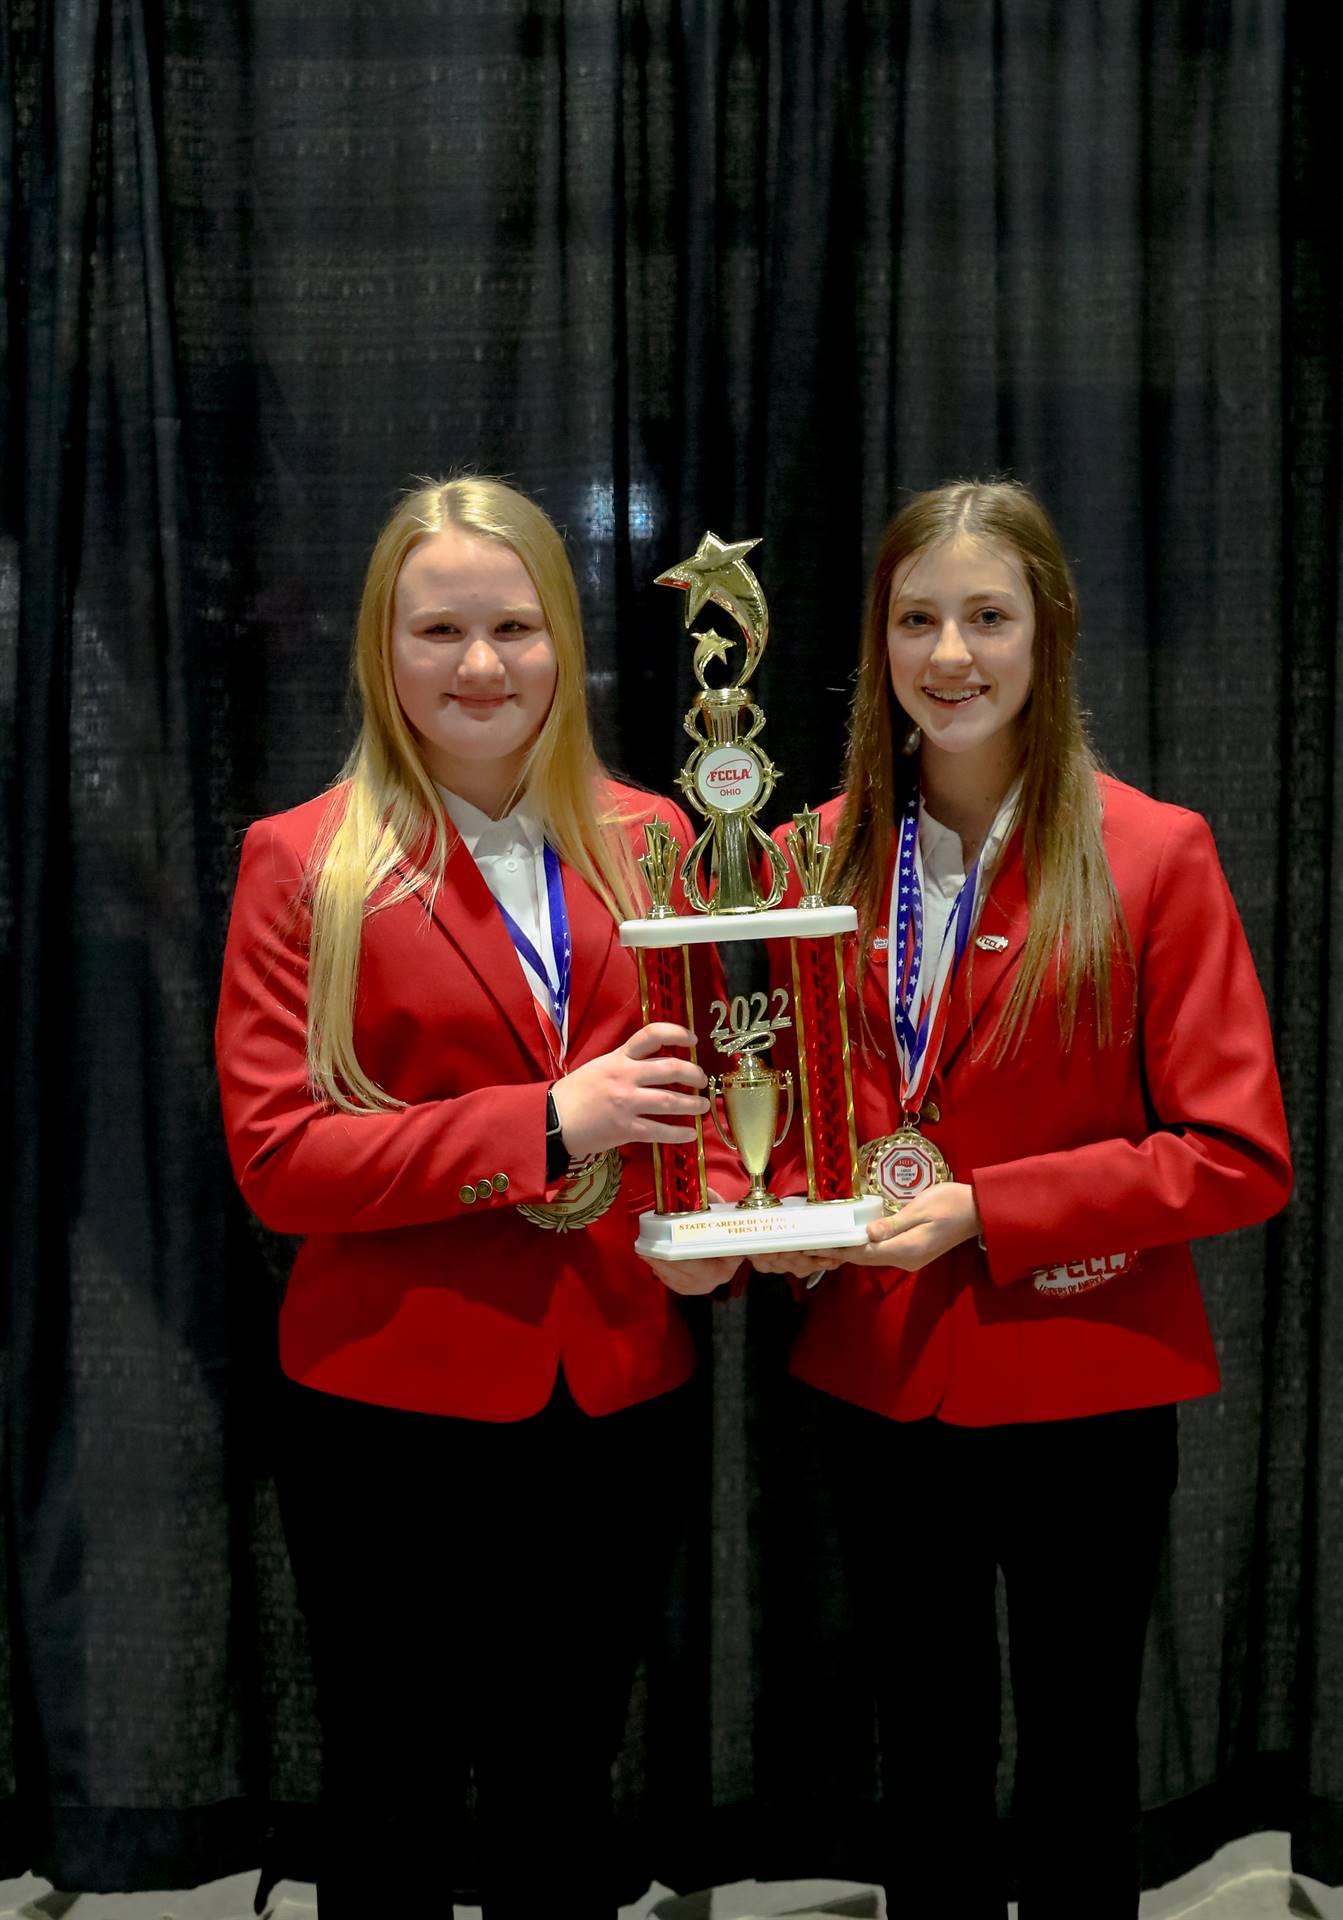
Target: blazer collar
column 986, row 972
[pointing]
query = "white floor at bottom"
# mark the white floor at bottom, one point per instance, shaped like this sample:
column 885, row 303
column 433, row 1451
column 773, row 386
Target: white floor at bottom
column 1248, row 1880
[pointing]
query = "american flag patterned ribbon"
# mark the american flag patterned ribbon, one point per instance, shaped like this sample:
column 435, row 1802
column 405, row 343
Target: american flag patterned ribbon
column 919, row 1006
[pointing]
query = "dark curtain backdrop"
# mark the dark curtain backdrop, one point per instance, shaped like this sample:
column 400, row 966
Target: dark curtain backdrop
column 757, row 267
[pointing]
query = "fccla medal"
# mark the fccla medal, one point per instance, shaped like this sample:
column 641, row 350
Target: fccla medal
column 588, row 1192
column 899, row 1166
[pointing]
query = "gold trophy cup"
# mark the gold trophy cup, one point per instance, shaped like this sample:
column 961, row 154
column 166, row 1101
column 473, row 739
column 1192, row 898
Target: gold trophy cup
column 751, row 1098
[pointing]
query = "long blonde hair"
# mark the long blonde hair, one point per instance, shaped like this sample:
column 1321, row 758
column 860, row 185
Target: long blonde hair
column 386, row 821
column 1074, row 910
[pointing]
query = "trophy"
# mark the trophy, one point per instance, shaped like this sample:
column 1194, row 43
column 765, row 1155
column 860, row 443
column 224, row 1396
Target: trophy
column 734, row 877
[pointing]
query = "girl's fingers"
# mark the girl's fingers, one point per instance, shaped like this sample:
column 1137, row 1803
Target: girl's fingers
column 664, row 1072
column 657, row 1034
column 890, row 1226
column 803, row 1265
column 657, row 1103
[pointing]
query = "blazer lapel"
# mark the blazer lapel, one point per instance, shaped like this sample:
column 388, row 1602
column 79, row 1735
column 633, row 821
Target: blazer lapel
column 469, row 915
column 593, row 937
column 872, row 1030
column 988, row 969
column 877, row 984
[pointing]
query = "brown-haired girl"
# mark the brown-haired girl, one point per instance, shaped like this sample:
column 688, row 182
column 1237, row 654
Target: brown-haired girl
column 433, row 1066
column 1063, row 1073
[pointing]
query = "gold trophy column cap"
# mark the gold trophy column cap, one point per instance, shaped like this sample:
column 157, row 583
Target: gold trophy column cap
column 811, row 856
column 658, row 867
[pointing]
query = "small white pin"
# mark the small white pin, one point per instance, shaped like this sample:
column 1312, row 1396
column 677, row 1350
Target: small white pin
column 992, row 942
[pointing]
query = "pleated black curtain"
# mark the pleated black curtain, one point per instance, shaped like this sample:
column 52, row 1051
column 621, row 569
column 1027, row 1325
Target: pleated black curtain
column 762, row 268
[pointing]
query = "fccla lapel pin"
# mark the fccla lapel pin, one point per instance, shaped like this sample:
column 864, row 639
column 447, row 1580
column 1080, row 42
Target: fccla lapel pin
column 992, row 942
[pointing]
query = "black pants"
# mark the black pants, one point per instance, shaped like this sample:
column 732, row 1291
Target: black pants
column 1074, row 1512
column 476, row 1595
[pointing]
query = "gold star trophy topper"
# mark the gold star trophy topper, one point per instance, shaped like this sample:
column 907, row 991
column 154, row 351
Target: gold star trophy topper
column 727, row 778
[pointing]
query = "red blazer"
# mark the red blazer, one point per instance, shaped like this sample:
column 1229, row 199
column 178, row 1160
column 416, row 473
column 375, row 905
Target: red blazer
column 403, row 1293
column 1077, row 1155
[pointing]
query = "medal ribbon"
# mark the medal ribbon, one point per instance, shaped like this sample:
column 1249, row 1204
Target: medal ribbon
column 552, row 1011
column 918, row 1013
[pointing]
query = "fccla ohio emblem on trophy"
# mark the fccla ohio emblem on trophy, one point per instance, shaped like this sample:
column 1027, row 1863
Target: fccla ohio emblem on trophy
column 728, row 779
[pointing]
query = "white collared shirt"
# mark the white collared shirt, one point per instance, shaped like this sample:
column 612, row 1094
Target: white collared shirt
column 943, row 861
column 510, row 854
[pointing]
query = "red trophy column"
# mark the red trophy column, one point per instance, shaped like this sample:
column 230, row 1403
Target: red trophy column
column 823, row 1061
column 679, row 1181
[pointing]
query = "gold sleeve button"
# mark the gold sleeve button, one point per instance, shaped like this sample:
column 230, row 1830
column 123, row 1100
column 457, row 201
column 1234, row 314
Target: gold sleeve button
column 466, row 1194
column 483, row 1189
column 500, row 1183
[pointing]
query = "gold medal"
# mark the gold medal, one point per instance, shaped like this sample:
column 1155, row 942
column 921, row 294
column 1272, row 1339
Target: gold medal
column 588, row 1192
column 899, row 1166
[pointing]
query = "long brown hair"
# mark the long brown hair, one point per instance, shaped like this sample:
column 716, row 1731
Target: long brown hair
column 387, row 822
column 1074, row 911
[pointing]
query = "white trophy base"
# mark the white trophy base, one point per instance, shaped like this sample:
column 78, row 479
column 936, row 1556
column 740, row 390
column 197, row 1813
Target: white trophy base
column 777, row 923
column 795, row 1226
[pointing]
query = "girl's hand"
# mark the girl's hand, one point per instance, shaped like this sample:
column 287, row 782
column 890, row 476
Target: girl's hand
column 696, row 1276
column 919, row 1234
column 630, row 1094
column 804, row 1266
column 922, row 1232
